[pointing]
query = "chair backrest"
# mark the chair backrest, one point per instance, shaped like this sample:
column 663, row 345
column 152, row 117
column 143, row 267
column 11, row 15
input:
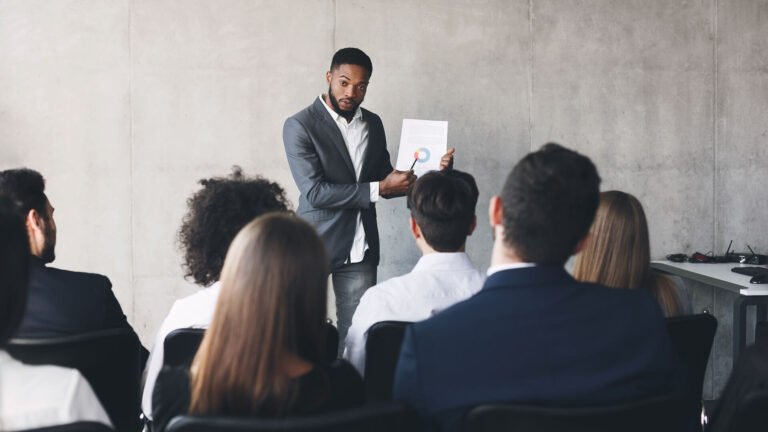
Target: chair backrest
column 382, row 349
column 692, row 338
column 658, row 414
column 373, row 418
column 180, row 346
column 74, row 427
column 109, row 359
column 752, row 413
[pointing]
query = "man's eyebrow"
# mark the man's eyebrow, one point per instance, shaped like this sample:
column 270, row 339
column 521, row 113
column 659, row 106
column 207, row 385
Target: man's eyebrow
column 350, row 79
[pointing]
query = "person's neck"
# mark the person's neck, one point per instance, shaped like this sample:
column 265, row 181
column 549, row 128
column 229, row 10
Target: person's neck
column 426, row 249
column 503, row 255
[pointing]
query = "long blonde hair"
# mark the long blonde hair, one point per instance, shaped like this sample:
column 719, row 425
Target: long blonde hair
column 618, row 253
column 272, row 306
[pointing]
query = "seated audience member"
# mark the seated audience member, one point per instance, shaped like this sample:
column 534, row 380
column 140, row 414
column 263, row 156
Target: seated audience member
column 617, row 253
column 215, row 214
column 264, row 353
column 533, row 334
column 750, row 374
column 59, row 302
column 442, row 207
column 32, row 396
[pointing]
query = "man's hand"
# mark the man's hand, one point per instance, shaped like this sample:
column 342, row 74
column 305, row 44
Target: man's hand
column 396, row 183
column 446, row 162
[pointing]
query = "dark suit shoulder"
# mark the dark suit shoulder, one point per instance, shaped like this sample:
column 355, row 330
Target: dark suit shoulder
column 73, row 278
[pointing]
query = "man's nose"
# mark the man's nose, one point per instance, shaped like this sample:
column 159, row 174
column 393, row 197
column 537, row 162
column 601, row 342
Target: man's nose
column 350, row 91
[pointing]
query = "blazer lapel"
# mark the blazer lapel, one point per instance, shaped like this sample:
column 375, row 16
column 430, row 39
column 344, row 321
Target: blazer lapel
column 332, row 133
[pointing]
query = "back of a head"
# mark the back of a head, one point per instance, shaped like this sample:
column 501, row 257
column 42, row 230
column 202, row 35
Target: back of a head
column 26, row 188
column 216, row 213
column 443, row 205
column 618, row 251
column 14, row 268
column 353, row 56
column 549, row 200
column 272, row 304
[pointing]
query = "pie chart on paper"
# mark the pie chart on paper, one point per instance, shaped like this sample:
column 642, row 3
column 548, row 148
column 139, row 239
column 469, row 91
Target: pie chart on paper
column 422, row 143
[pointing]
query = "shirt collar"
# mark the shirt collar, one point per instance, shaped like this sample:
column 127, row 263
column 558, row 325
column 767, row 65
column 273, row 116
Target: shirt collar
column 336, row 116
column 502, row 267
column 5, row 357
column 444, row 260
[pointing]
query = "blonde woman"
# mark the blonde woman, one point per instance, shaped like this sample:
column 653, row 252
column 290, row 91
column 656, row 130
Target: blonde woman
column 618, row 254
column 263, row 354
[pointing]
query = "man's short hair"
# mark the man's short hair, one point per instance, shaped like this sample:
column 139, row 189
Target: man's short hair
column 353, row 56
column 14, row 268
column 443, row 205
column 26, row 188
column 215, row 215
column 550, row 199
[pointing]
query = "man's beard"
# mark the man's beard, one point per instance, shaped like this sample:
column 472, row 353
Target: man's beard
column 48, row 254
column 336, row 107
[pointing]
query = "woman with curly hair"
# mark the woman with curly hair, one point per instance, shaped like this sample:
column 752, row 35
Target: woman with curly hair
column 264, row 352
column 215, row 215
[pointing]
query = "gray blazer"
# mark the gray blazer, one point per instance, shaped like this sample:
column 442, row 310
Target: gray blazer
column 331, row 196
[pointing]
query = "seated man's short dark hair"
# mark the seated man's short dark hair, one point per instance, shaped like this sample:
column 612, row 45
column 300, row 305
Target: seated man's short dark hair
column 14, row 268
column 550, row 199
column 215, row 215
column 443, row 205
column 26, row 188
column 353, row 56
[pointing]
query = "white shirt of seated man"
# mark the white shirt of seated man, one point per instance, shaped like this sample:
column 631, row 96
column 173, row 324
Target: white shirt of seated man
column 193, row 311
column 40, row 396
column 439, row 280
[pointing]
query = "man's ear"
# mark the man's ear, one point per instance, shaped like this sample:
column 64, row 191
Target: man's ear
column 495, row 211
column 472, row 226
column 328, row 76
column 415, row 230
column 33, row 220
column 582, row 243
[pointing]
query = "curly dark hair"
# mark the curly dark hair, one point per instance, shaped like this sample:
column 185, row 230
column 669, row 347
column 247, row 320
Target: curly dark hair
column 215, row 215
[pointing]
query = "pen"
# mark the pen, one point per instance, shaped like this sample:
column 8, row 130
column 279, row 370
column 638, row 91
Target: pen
column 415, row 159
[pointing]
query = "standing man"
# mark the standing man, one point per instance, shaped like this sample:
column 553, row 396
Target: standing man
column 338, row 156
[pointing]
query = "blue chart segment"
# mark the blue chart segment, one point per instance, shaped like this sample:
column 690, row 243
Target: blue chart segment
column 423, row 154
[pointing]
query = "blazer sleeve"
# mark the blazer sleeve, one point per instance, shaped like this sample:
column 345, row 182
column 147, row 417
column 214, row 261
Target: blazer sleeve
column 308, row 173
column 114, row 316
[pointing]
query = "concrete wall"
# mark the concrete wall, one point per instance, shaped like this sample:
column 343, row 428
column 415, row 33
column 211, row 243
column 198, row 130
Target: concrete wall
column 124, row 104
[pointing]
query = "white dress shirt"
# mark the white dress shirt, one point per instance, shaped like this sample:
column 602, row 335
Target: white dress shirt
column 355, row 134
column 40, row 396
column 438, row 281
column 510, row 266
column 195, row 311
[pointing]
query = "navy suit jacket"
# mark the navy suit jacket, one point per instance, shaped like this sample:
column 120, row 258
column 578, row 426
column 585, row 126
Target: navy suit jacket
column 535, row 335
column 330, row 193
column 62, row 303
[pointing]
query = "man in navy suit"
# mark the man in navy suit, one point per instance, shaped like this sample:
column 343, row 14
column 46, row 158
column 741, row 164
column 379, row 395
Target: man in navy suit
column 533, row 334
column 59, row 302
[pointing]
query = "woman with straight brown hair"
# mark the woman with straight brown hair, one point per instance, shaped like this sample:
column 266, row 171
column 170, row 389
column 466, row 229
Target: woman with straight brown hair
column 618, row 252
column 263, row 354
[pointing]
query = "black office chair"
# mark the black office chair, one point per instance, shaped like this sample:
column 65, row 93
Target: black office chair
column 391, row 417
column 109, row 359
column 752, row 413
column 658, row 414
column 692, row 338
column 382, row 349
column 74, row 427
column 180, row 346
